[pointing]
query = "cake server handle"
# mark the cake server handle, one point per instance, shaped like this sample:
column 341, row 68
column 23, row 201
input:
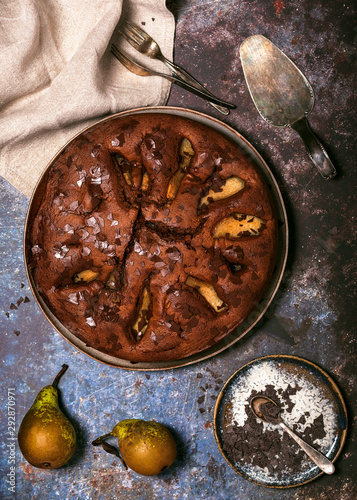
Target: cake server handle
column 315, row 149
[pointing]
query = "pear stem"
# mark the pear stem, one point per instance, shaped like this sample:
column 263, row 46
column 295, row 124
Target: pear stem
column 99, row 440
column 58, row 376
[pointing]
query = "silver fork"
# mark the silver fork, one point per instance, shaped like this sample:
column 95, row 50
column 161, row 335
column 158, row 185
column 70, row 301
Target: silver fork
column 140, row 70
column 146, row 45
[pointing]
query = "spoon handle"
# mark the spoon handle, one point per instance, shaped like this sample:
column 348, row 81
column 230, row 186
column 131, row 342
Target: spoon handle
column 318, row 458
column 315, row 149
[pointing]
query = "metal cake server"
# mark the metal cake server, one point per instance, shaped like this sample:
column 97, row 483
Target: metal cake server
column 282, row 95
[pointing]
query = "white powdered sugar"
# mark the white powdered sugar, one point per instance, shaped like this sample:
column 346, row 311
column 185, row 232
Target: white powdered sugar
column 311, row 399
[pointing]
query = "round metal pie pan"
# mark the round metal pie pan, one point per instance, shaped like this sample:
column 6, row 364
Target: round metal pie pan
column 253, row 317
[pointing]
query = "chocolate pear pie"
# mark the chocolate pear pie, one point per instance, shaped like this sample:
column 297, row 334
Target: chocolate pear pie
column 152, row 237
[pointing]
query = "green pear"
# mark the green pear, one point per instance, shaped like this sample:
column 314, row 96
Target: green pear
column 46, row 437
column 148, row 448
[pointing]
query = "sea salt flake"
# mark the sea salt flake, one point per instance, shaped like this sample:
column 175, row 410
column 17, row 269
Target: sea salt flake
column 86, row 251
column 84, row 234
column 101, row 221
column 67, row 261
column 57, row 201
column 96, row 181
column 36, row 249
column 95, row 171
column 91, row 221
column 68, row 229
column 157, row 250
column 73, row 298
column 138, row 248
column 101, row 245
column 110, row 251
column 61, row 252
column 90, row 321
column 74, row 205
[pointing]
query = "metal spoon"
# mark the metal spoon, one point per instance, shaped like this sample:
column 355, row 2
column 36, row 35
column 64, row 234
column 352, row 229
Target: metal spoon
column 318, row 458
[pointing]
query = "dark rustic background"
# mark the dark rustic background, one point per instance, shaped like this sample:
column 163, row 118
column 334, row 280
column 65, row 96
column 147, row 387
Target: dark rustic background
column 315, row 305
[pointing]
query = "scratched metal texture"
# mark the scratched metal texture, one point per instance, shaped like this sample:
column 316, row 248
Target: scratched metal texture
column 315, row 304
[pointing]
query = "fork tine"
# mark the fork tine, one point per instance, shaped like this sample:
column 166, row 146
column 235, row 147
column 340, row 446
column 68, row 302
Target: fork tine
column 129, row 64
column 129, row 37
column 119, row 55
column 135, row 29
column 130, row 34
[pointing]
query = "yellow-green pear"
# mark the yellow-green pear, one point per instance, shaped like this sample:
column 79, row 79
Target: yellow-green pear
column 148, row 448
column 46, row 437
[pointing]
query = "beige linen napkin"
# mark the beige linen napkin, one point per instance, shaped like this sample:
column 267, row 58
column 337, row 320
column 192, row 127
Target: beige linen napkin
column 57, row 75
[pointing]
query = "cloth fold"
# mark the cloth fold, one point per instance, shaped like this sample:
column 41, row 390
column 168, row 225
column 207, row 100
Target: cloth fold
column 58, row 76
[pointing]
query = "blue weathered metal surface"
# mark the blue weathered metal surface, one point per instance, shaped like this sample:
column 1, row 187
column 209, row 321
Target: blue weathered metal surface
column 314, row 304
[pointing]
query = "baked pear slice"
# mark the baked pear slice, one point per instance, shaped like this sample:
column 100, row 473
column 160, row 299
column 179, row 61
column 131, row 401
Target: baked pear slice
column 238, row 225
column 208, row 292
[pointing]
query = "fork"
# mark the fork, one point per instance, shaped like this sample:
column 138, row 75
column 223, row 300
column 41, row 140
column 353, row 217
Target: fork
column 146, row 45
column 137, row 69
